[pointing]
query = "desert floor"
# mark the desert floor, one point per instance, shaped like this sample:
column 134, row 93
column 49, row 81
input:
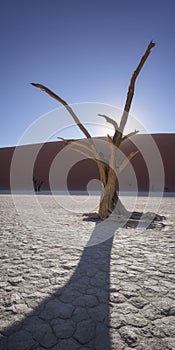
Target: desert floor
column 72, row 284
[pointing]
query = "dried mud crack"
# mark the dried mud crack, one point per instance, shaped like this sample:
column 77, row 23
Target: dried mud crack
column 117, row 295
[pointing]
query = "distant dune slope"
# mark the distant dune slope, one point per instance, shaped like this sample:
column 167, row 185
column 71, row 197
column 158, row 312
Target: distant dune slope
column 85, row 170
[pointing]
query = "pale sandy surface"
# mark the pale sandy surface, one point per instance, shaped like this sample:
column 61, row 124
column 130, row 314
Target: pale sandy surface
column 56, row 294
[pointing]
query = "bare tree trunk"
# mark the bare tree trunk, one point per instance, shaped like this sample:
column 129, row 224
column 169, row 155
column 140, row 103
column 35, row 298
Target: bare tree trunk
column 110, row 201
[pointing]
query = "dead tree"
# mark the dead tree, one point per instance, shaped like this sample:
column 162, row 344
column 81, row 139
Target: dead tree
column 109, row 201
column 37, row 183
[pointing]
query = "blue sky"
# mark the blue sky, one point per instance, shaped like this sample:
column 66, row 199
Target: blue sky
column 85, row 51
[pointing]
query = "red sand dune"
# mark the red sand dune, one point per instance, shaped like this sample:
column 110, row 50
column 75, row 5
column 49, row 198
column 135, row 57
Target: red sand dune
column 50, row 162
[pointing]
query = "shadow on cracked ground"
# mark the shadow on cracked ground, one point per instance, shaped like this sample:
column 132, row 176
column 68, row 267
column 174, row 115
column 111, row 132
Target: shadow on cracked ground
column 120, row 295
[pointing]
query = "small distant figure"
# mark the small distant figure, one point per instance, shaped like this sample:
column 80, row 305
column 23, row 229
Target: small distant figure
column 37, row 184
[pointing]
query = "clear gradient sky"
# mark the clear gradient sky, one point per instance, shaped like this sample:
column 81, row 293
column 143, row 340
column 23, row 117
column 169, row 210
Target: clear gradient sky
column 85, row 51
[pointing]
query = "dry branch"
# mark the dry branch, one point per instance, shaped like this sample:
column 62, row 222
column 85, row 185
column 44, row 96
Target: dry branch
column 130, row 93
column 110, row 120
column 79, row 124
column 76, row 143
column 64, row 103
column 129, row 135
column 126, row 161
column 68, row 141
column 84, row 153
column 110, row 140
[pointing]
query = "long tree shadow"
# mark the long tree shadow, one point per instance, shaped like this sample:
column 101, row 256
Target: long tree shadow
column 76, row 315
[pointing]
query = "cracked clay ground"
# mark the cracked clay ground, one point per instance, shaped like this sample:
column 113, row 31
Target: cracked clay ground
column 56, row 294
